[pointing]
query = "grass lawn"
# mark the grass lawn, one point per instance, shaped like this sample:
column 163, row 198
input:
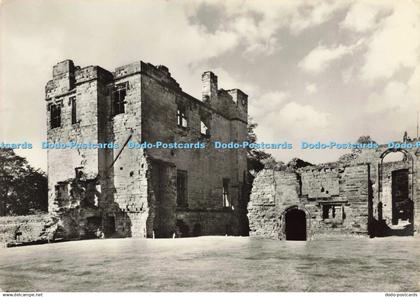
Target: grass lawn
column 214, row 264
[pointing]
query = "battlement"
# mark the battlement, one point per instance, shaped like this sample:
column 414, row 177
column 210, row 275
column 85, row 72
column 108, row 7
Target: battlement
column 232, row 104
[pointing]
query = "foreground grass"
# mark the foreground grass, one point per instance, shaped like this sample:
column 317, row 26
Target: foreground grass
column 214, row 264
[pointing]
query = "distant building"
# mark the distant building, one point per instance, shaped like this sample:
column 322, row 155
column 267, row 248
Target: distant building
column 144, row 192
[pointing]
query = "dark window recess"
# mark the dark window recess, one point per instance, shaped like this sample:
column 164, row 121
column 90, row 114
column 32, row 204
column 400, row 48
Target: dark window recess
column 181, row 115
column 73, row 110
column 226, row 198
column 181, row 188
column 110, row 226
column 118, row 98
column 55, row 116
column 335, row 212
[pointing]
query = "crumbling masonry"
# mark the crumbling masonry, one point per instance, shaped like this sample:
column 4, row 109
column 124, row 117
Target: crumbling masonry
column 144, row 192
column 189, row 192
column 372, row 194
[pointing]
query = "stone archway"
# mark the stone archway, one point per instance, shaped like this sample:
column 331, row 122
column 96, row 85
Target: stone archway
column 395, row 194
column 295, row 224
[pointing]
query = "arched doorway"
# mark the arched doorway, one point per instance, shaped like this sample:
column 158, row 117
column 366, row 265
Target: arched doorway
column 295, row 224
column 395, row 193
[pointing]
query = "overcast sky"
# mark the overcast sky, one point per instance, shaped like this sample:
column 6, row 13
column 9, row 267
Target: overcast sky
column 314, row 70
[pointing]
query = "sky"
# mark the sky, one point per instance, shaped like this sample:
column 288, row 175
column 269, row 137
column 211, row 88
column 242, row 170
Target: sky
column 314, row 70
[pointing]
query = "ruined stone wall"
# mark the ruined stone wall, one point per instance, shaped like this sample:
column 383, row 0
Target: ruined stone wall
column 381, row 186
column 272, row 192
column 201, row 222
column 360, row 192
column 386, row 194
column 162, row 198
column 207, row 167
column 24, row 229
column 135, row 189
column 63, row 162
column 355, row 189
column 88, row 87
column 130, row 169
column 334, row 200
column 416, row 187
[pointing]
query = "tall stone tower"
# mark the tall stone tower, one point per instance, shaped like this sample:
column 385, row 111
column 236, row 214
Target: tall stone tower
column 142, row 192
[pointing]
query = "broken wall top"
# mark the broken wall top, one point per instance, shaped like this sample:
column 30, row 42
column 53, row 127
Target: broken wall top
column 232, row 104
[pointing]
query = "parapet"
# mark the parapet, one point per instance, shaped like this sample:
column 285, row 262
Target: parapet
column 160, row 73
column 63, row 79
column 63, row 68
column 92, row 73
column 130, row 69
column 233, row 104
column 66, row 76
column 240, row 99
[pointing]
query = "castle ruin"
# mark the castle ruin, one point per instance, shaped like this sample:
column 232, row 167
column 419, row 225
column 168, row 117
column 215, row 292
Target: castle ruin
column 144, row 192
column 375, row 194
column 167, row 192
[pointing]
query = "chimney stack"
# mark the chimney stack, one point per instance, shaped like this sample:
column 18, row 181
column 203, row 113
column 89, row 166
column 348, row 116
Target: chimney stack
column 209, row 83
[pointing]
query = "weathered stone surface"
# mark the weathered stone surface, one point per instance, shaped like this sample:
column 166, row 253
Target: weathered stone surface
column 136, row 193
column 357, row 197
column 24, row 229
column 310, row 189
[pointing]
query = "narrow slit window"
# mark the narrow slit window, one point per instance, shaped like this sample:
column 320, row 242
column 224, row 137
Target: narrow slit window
column 181, row 188
column 73, row 110
column 226, row 198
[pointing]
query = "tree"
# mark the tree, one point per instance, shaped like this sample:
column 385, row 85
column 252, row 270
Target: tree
column 297, row 163
column 365, row 139
column 23, row 189
column 256, row 158
column 355, row 152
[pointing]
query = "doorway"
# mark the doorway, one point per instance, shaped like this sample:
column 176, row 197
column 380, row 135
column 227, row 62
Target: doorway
column 402, row 207
column 295, row 225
